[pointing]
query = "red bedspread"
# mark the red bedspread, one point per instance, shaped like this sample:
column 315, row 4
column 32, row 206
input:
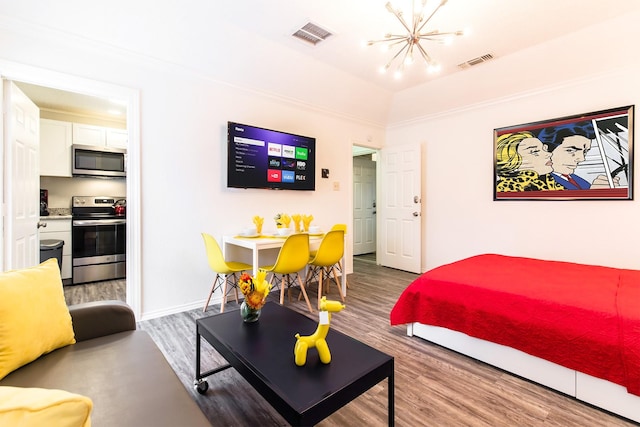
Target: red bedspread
column 579, row 316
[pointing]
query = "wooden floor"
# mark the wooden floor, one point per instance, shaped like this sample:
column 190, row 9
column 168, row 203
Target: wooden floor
column 96, row 291
column 434, row 386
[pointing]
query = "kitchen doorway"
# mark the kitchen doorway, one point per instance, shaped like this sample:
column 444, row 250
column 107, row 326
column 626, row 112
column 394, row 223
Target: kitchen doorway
column 69, row 84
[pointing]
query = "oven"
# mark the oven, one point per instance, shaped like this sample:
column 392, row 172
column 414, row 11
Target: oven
column 98, row 239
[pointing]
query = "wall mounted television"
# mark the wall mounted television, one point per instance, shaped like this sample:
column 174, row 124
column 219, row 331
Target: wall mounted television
column 264, row 158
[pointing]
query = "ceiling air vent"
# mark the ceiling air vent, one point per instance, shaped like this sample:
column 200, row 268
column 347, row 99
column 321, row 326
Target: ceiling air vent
column 476, row 61
column 312, row 33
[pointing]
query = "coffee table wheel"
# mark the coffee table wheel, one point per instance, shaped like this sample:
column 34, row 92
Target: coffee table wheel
column 201, row 386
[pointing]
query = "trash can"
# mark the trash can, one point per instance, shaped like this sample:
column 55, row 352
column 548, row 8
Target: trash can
column 51, row 248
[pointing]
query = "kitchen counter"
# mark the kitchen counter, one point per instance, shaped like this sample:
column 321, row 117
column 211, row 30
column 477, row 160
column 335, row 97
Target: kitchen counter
column 58, row 213
column 59, row 216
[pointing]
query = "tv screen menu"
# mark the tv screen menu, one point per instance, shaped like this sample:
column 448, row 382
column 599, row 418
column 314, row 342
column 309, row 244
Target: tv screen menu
column 263, row 158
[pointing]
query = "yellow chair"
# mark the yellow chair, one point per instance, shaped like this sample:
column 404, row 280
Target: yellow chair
column 325, row 260
column 292, row 258
column 224, row 271
column 342, row 227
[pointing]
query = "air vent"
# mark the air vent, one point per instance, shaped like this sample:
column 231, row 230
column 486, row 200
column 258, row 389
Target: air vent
column 476, row 61
column 312, row 33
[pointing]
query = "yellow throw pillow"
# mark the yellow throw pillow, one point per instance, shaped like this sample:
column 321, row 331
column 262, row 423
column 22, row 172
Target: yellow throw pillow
column 34, row 317
column 37, row 407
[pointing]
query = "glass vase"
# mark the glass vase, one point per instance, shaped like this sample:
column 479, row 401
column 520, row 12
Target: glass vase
column 248, row 314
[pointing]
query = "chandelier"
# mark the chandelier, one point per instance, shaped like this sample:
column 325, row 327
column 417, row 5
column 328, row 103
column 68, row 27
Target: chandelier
column 411, row 40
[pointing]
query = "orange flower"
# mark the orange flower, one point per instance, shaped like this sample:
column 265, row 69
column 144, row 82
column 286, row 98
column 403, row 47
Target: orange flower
column 255, row 290
column 254, row 300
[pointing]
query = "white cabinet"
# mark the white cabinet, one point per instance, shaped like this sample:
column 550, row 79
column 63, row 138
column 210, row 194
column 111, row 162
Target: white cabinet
column 118, row 138
column 56, row 138
column 89, row 135
column 99, row 136
column 55, row 148
column 60, row 229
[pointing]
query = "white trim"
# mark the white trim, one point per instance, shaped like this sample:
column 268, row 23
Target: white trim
column 598, row 392
column 44, row 77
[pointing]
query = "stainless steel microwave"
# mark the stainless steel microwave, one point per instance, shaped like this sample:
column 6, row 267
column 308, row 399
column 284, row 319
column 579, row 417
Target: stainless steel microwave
column 88, row 160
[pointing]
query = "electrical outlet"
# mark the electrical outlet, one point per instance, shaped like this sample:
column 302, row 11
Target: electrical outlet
column 336, row 186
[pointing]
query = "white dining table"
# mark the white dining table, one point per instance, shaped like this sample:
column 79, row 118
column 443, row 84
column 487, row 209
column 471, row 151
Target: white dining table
column 263, row 250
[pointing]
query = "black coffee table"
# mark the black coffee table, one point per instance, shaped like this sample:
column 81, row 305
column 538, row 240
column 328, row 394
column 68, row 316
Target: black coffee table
column 262, row 352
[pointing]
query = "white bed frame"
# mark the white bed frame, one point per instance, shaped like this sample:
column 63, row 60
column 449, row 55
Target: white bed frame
column 598, row 392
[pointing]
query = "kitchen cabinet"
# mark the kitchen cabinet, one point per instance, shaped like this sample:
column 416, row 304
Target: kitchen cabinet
column 56, row 138
column 55, row 148
column 118, row 138
column 99, row 136
column 60, row 229
column 89, row 135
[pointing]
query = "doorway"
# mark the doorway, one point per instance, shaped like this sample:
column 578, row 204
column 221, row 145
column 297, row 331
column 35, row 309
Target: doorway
column 364, row 203
column 130, row 97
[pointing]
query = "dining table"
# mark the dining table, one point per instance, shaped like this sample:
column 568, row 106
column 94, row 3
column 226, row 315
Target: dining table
column 263, row 249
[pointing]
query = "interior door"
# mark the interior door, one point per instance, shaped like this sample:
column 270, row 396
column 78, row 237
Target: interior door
column 21, row 178
column 364, row 205
column 400, row 208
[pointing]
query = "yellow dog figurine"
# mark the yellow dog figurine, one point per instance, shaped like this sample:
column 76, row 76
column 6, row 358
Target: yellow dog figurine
column 318, row 338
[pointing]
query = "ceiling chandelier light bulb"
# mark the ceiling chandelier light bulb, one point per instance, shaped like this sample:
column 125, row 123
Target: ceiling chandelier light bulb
column 408, row 60
column 404, row 44
column 397, row 75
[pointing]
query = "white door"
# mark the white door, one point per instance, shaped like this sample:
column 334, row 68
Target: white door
column 364, row 205
column 400, row 208
column 22, row 178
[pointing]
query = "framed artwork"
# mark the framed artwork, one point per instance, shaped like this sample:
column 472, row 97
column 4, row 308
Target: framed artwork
column 582, row 157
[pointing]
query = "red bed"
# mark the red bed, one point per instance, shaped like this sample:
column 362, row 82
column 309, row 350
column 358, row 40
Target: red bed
column 585, row 318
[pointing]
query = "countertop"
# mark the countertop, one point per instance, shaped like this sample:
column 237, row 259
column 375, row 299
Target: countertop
column 58, row 213
column 59, row 216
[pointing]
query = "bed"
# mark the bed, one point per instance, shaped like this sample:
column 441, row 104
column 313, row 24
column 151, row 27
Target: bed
column 572, row 327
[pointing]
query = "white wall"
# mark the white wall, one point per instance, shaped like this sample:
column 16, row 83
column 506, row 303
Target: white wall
column 183, row 115
column 460, row 218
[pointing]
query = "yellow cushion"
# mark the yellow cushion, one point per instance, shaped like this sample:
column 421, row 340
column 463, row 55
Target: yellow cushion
column 28, row 407
column 34, row 317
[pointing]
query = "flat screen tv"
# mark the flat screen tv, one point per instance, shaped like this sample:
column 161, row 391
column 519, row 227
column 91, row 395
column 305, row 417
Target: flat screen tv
column 263, row 158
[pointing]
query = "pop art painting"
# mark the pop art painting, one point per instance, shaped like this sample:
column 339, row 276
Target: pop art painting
column 586, row 156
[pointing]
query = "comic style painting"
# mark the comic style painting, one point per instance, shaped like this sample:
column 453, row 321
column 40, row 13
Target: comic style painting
column 587, row 156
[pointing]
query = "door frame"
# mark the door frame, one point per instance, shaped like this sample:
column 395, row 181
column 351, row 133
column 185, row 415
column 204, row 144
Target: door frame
column 67, row 82
column 365, row 150
column 375, row 152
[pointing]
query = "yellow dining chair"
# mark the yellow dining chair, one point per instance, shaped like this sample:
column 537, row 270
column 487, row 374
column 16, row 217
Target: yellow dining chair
column 225, row 271
column 325, row 260
column 292, row 258
column 342, row 227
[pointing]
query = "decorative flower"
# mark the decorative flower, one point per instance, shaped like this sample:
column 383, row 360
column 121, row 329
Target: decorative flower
column 255, row 289
column 282, row 220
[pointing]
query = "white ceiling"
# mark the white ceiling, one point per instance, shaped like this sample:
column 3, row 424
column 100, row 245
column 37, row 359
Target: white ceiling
column 75, row 103
column 498, row 27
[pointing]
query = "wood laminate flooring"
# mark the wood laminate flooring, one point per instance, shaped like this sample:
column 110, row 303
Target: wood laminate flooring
column 434, row 386
column 96, row 291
